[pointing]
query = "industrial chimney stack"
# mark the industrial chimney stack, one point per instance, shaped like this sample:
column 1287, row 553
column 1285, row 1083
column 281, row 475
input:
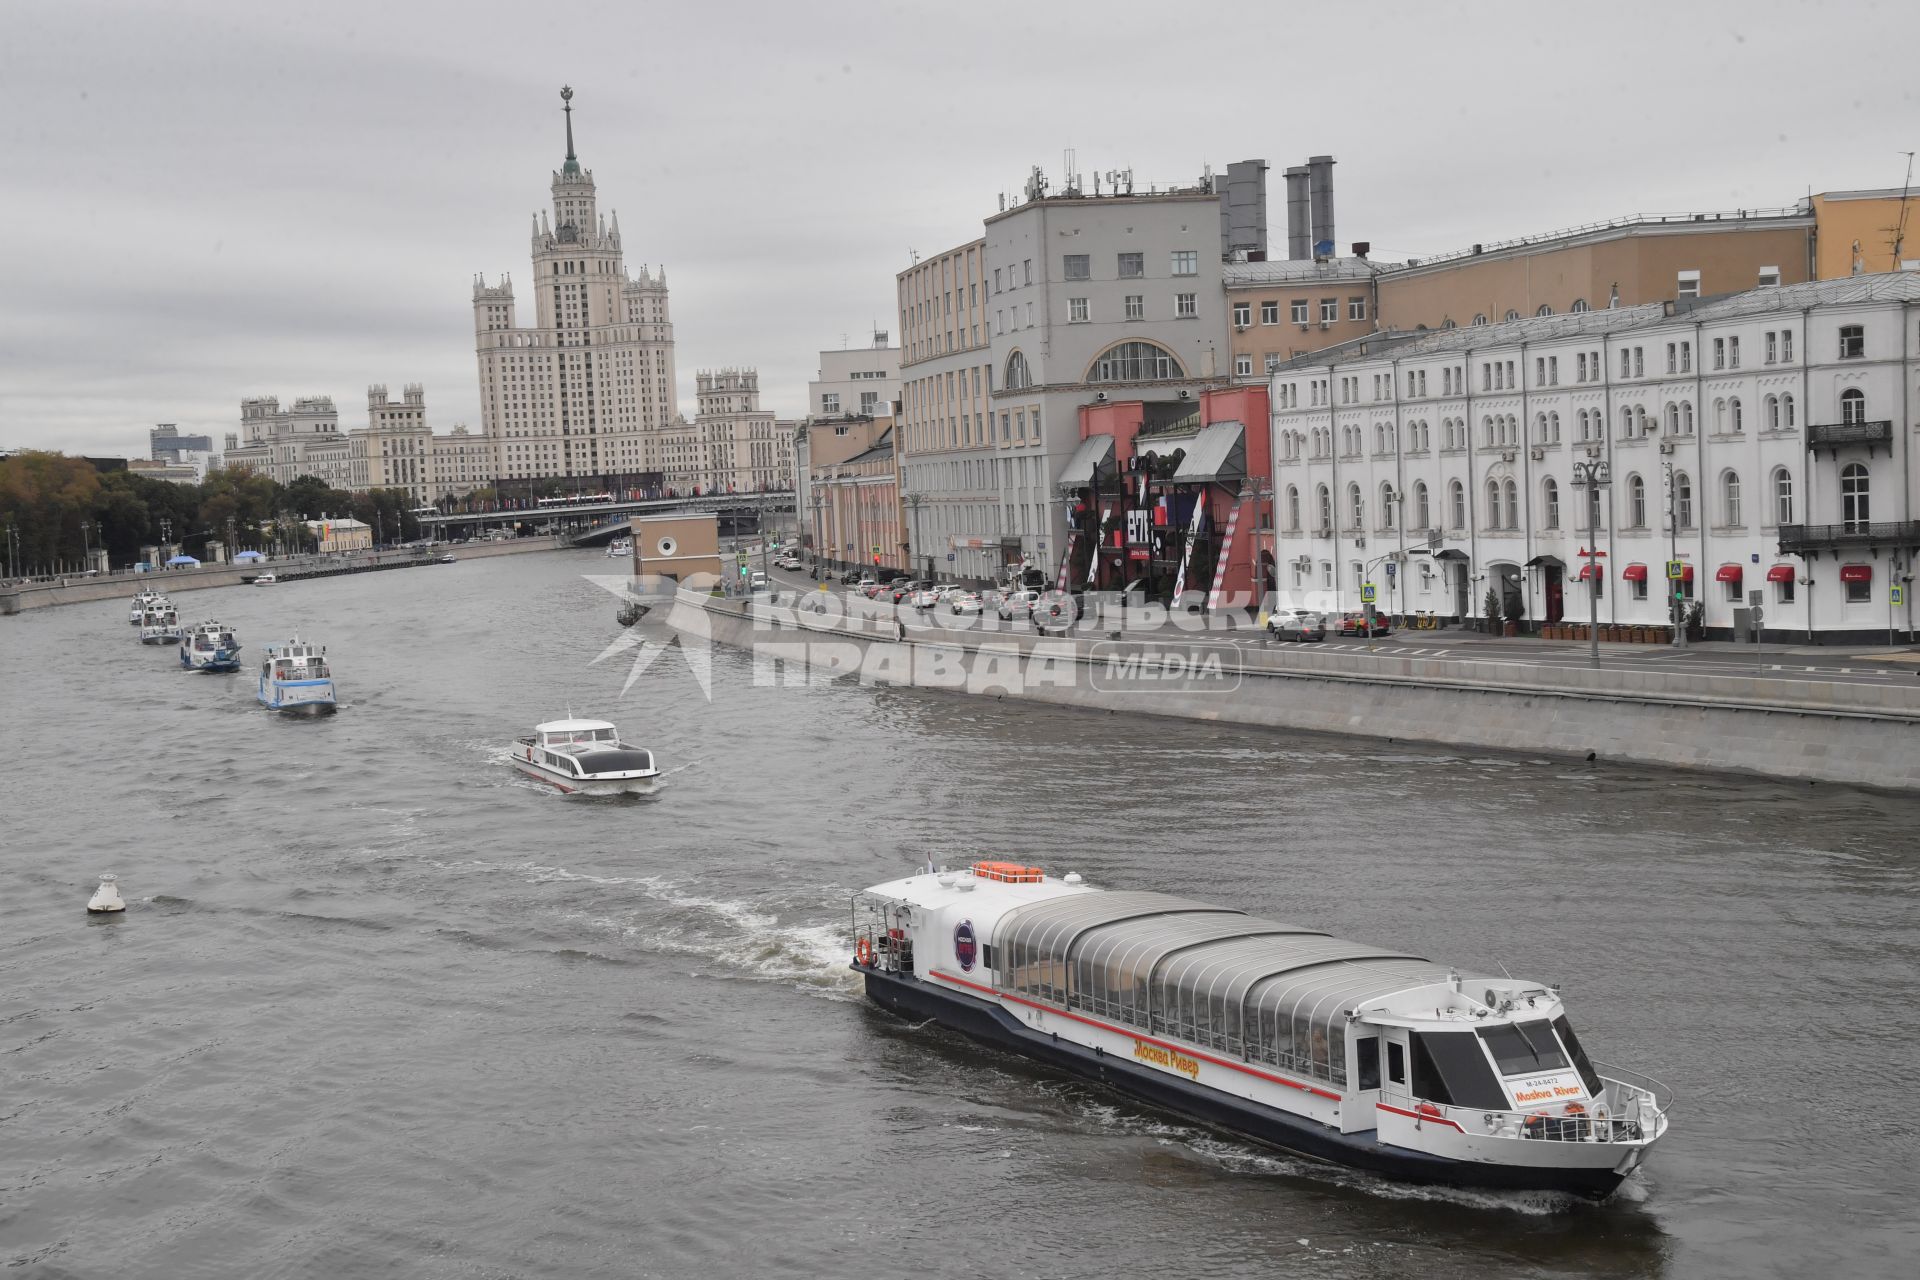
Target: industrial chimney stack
column 1299, row 229
column 1320, row 171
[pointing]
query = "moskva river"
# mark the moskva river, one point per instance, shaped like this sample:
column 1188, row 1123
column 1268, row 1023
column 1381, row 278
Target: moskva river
column 381, row 1007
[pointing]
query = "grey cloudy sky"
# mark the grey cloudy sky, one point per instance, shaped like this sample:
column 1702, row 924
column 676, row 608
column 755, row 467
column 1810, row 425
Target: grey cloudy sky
column 204, row 201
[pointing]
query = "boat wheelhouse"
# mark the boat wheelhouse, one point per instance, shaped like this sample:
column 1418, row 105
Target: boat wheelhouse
column 209, row 646
column 619, row 547
column 296, row 678
column 147, row 600
column 585, row 757
column 1360, row 1055
column 160, row 625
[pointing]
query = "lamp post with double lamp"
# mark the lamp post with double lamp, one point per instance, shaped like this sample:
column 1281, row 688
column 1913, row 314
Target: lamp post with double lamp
column 1673, row 554
column 913, row 502
column 819, row 531
column 1592, row 476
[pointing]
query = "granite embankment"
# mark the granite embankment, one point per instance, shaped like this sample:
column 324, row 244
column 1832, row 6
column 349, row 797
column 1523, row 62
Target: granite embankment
column 19, row 597
column 1824, row 731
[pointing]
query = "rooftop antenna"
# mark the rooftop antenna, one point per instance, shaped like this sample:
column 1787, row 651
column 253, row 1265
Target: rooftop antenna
column 1900, row 227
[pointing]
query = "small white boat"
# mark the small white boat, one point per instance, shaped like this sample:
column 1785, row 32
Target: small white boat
column 619, row 547
column 585, row 757
column 160, row 626
column 265, row 580
column 448, row 559
column 210, row 646
column 147, row 599
column 296, row 678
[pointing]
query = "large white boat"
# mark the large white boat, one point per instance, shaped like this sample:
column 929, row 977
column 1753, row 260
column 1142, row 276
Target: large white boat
column 147, row 599
column 1355, row 1054
column 295, row 677
column 619, row 547
column 160, row 625
column 209, row 646
column 584, row 756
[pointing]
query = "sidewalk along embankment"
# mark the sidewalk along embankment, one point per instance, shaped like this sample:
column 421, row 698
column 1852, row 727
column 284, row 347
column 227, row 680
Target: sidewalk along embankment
column 122, row 586
column 1825, row 731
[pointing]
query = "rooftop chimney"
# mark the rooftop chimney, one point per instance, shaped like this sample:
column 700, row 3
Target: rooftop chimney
column 1299, row 229
column 1320, row 169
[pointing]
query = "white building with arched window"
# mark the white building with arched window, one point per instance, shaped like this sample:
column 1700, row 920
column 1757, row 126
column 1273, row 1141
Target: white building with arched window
column 1792, row 474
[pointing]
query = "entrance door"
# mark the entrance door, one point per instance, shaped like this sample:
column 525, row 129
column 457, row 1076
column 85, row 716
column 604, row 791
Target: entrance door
column 1396, row 1066
column 1512, row 599
column 1556, row 592
column 1461, row 608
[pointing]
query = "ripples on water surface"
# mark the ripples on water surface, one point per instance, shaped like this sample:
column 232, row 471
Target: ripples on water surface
column 383, row 1007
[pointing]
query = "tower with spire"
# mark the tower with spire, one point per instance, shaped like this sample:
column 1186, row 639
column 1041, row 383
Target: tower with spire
column 586, row 391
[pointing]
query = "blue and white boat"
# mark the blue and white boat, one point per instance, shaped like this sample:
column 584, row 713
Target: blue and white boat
column 147, row 599
column 210, row 646
column 295, row 678
column 160, row 624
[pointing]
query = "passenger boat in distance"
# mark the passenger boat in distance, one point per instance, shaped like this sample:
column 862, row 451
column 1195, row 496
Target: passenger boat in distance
column 296, row 678
column 160, row 625
column 619, row 547
column 585, row 757
column 147, row 599
column 267, row 579
column 1354, row 1054
column 209, row 646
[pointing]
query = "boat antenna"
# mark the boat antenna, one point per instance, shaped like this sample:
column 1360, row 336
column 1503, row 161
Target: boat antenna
column 1503, row 969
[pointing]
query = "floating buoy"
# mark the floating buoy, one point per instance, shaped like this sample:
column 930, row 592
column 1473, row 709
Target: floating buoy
column 106, row 897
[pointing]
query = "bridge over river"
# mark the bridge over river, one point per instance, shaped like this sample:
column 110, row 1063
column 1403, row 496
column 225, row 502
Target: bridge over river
column 595, row 523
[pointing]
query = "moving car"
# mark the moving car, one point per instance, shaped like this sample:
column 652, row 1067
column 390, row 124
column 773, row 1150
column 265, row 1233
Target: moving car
column 965, row 603
column 1017, row 604
column 787, row 560
column 1297, row 624
column 1355, row 624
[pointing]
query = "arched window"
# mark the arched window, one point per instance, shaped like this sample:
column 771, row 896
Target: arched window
column 1640, row 420
column 1786, row 412
column 1730, row 499
column 1782, row 496
column 1449, row 323
column 1512, row 314
column 1682, row 500
column 1539, row 428
column 1686, row 417
column 1386, row 505
column 1853, row 405
column 1855, row 510
column 1593, row 507
column 1017, row 373
column 1457, row 502
column 1325, row 501
column 1493, row 504
column 1293, row 507
column 1673, row 418
column 1770, row 413
column 1543, row 310
column 1734, row 418
column 1422, row 513
column 1550, row 503
column 1136, row 362
column 1356, row 507
column 1486, row 430
column 1579, row 305
column 1553, row 427
column 1636, row 502
column 1719, row 415
column 1583, row 424
column 1479, row 319
column 1626, row 422
column 1513, row 504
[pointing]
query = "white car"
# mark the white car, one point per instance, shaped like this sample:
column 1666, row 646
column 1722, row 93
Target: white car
column 926, row 597
column 758, row 582
column 787, row 562
column 965, row 603
column 1017, row 604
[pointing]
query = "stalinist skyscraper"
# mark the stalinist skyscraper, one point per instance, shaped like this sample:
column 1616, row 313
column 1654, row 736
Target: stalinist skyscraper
column 587, row 389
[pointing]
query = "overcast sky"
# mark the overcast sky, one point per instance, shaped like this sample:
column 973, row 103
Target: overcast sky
column 206, row 201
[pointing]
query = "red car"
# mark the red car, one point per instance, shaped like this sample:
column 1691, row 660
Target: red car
column 1355, row 624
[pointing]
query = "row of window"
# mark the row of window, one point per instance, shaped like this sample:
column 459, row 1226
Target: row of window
column 1298, row 311
column 1128, row 266
column 1185, row 307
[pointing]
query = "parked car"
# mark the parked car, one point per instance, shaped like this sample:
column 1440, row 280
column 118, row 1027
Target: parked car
column 904, row 589
column 853, row 576
column 1297, row 624
column 965, row 603
column 1017, row 604
column 786, row 560
column 870, row 588
column 1355, row 624
column 929, row 595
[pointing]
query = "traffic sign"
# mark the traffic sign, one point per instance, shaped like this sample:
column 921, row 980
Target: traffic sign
column 876, row 548
column 949, row 557
column 1392, row 569
column 1897, row 594
column 1366, row 593
column 1676, row 570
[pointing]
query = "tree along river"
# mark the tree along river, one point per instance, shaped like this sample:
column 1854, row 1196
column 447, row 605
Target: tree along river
column 381, row 1006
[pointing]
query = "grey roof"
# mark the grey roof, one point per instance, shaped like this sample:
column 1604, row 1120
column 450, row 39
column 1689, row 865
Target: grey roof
column 1218, row 452
column 1302, row 271
column 1890, row 286
column 1091, row 454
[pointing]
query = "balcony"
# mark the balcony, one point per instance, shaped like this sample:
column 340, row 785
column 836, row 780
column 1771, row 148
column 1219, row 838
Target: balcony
column 1841, row 435
column 1802, row 538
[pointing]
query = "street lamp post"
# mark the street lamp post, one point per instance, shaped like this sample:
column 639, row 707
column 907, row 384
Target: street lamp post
column 819, row 533
column 13, row 550
column 1593, row 476
column 914, row 501
column 1673, row 554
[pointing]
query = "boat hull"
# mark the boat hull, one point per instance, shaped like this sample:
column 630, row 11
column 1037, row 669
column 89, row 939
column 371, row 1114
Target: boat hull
column 298, row 698
column 640, row 785
column 991, row 1023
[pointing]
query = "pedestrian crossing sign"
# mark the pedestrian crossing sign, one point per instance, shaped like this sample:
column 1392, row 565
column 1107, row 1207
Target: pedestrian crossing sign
column 1676, row 570
column 1366, row 593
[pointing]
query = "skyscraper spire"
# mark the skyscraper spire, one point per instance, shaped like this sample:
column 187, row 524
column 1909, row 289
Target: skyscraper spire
column 566, row 96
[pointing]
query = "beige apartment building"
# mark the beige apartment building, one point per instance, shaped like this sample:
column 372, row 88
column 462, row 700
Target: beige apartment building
column 1858, row 232
column 857, row 513
column 732, row 445
column 1280, row 310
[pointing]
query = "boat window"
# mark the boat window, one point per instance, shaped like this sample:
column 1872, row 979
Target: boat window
column 1367, row 1055
column 1522, row 1048
column 1581, row 1062
column 1449, row 1068
column 1396, row 1063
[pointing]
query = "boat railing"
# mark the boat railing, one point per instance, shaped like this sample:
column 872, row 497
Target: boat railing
column 1631, row 1086
column 1628, row 1119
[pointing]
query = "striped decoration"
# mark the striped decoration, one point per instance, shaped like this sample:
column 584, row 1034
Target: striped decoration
column 1226, row 552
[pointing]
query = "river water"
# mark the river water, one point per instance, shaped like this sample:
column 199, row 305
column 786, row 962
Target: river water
column 381, row 1007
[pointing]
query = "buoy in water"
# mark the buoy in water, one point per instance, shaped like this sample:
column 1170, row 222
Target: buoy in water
column 106, row 897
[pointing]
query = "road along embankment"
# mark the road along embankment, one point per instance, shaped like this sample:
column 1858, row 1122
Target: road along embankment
column 80, row 590
column 1826, row 731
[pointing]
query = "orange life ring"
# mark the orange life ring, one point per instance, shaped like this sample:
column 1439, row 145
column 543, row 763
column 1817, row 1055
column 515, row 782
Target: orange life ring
column 1429, row 1111
column 863, row 951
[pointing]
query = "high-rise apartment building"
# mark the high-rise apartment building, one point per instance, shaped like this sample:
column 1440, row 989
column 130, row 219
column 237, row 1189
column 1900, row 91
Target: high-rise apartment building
column 732, row 445
column 304, row 440
column 857, row 380
column 586, row 390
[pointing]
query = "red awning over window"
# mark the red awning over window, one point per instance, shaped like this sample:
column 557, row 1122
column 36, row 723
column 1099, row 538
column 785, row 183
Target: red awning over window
column 1586, row 571
column 1856, row 573
column 1780, row 573
column 1635, row 573
column 1686, row 573
column 1728, row 573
